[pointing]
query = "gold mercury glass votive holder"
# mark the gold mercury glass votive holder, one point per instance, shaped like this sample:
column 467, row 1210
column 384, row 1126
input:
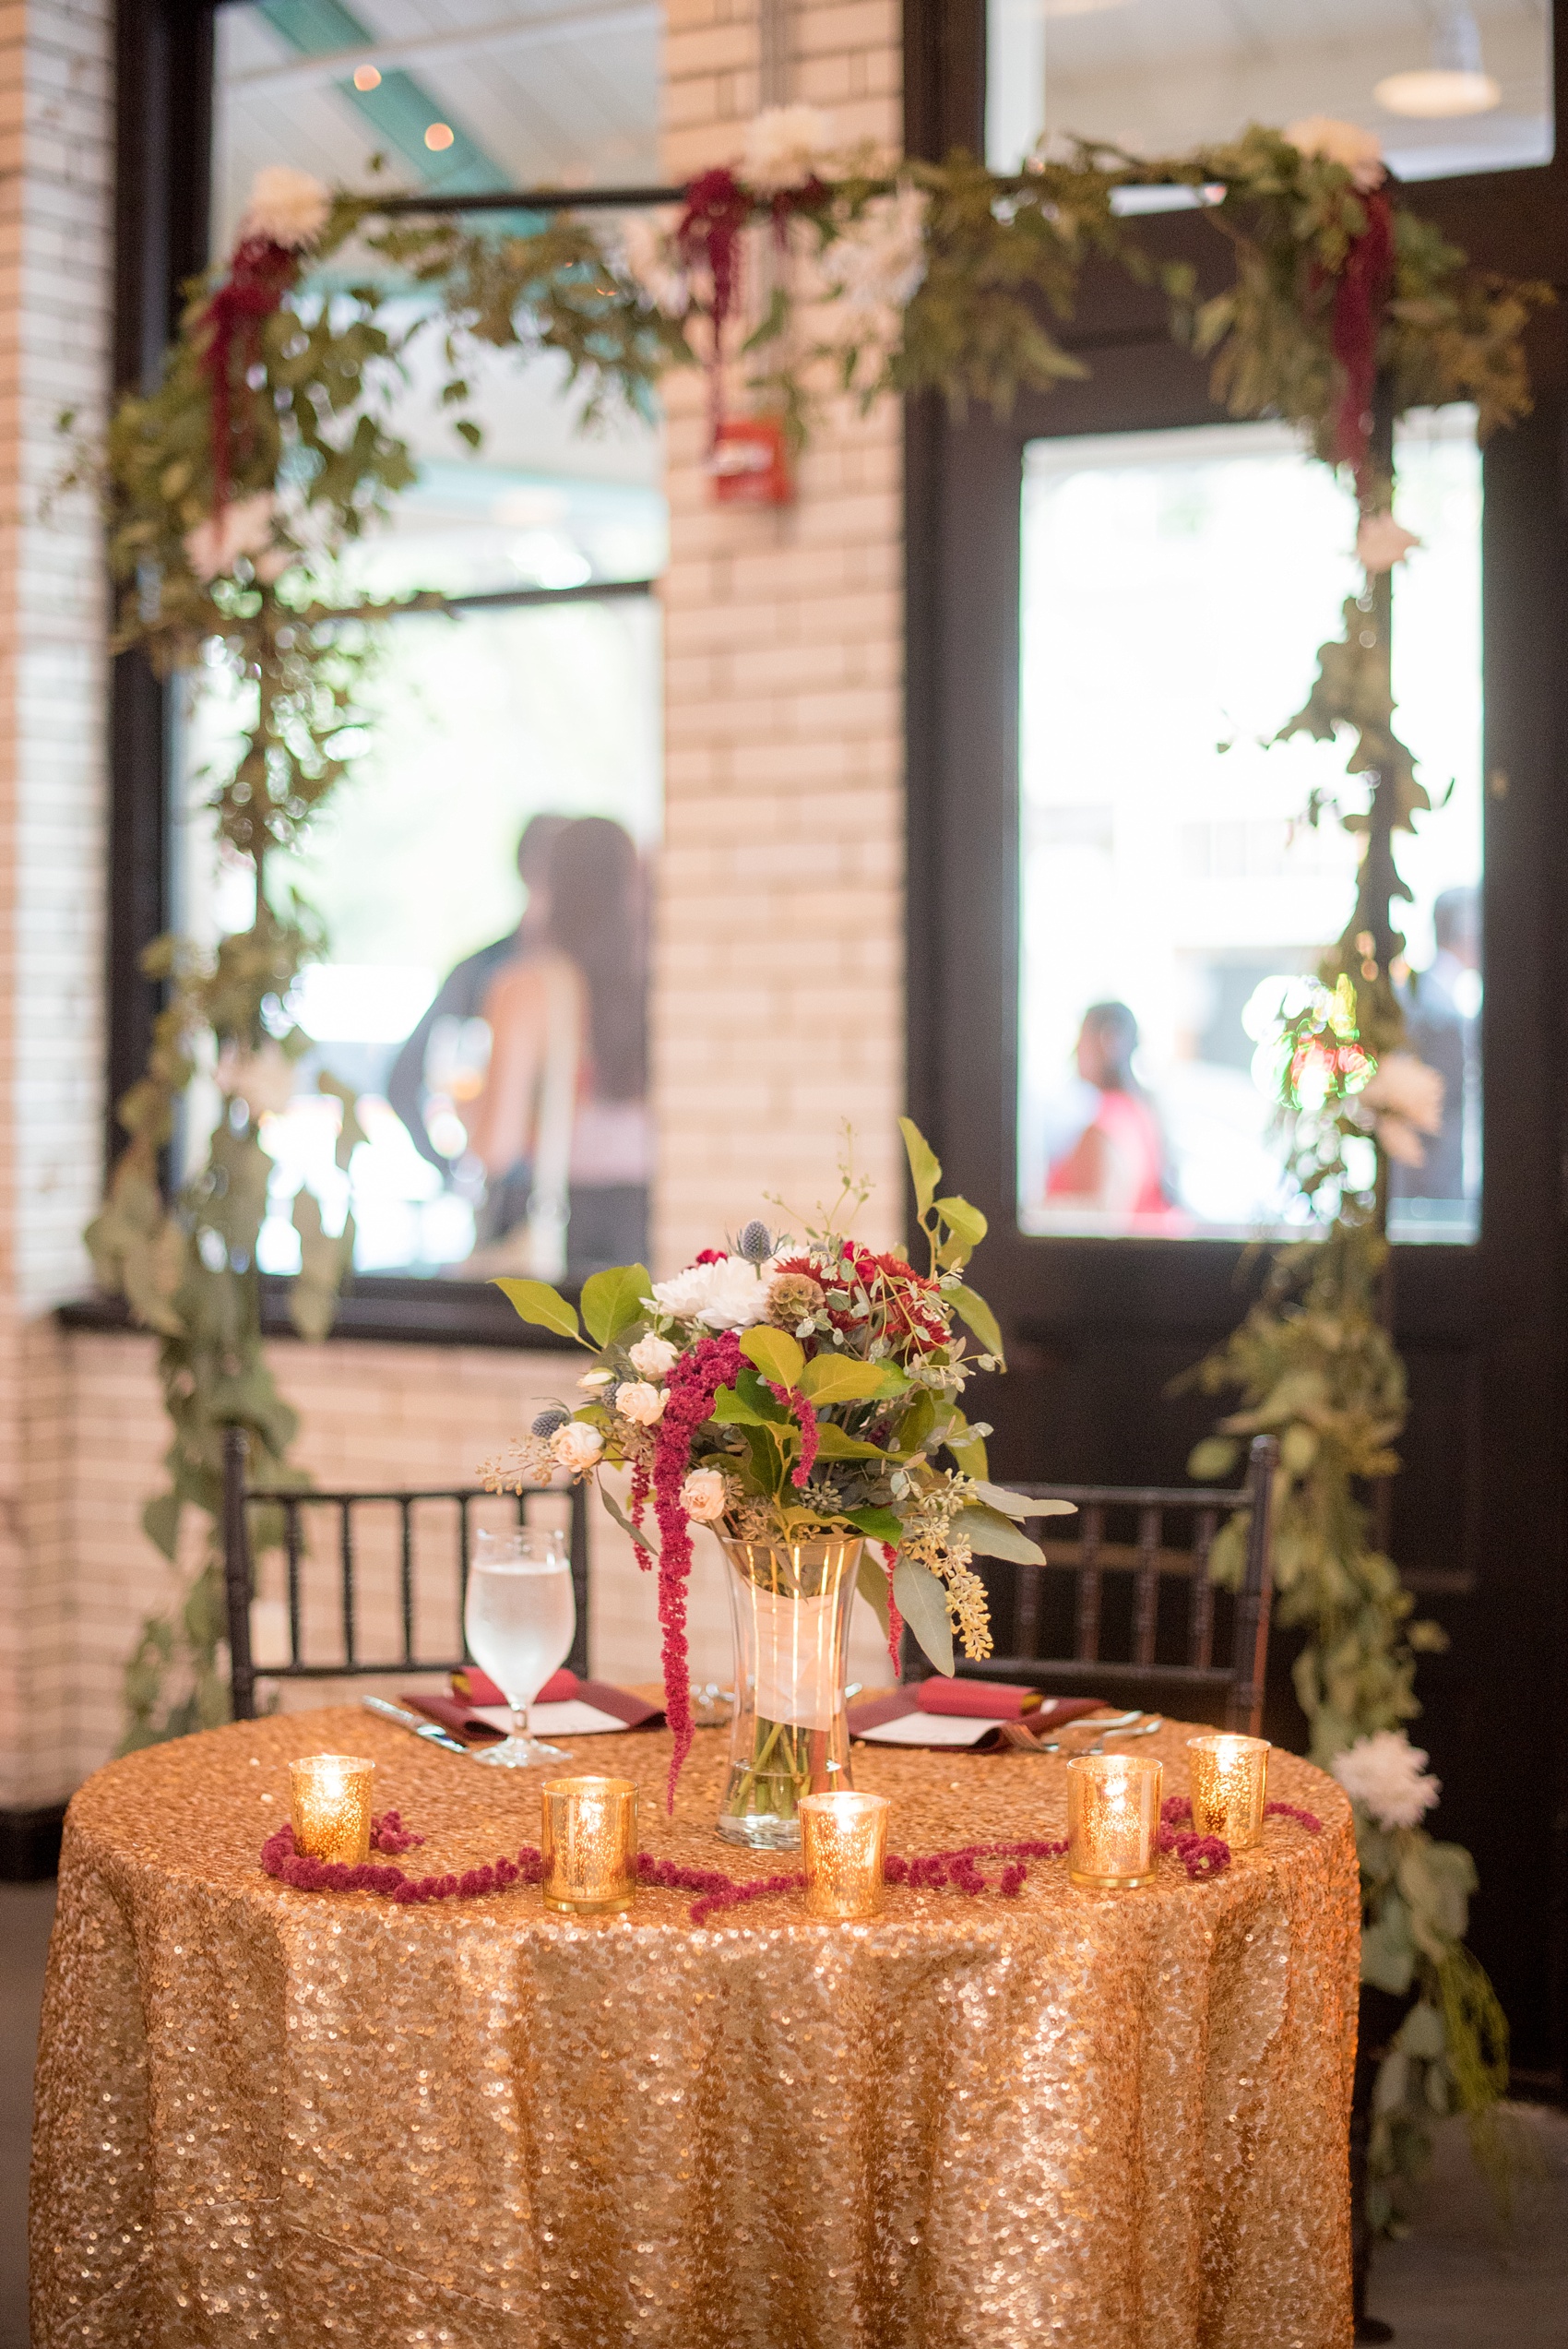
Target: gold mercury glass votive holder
column 1229, row 1783
column 844, row 1837
column 330, row 1802
column 589, row 1839
column 1113, row 1821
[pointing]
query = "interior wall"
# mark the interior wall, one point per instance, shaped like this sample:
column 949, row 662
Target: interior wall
column 778, row 981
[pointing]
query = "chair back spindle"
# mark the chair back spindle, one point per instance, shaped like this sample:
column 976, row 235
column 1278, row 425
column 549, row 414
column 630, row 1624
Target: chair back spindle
column 1230, row 1694
column 239, row 1574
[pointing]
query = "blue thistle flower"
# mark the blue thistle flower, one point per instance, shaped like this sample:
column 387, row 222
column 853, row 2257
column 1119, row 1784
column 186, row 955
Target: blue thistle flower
column 755, row 1243
column 549, row 1420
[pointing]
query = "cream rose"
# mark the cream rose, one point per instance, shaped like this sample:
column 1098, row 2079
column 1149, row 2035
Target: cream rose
column 655, row 1357
column 1382, row 542
column 639, row 1402
column 1345, row 143
column 703, row 1496
column 578, row 1445
column 244, row 527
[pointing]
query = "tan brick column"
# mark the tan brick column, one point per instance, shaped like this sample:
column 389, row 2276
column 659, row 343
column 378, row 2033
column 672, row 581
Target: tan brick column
column 55, row 264
column 777, row 990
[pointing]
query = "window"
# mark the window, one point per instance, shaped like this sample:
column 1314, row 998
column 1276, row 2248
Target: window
column 1447, row 88
column 532, row 706
column 1174, row 586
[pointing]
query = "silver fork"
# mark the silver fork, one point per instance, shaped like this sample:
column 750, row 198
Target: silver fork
column 1114, row 1727
column 1147, row 1730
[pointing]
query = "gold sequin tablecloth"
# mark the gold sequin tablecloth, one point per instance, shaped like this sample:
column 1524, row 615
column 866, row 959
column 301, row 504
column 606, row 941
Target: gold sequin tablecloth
column 333, row 2122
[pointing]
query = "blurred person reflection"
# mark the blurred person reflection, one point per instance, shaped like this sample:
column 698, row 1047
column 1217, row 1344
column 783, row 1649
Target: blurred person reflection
column 1440, row 1028
column 423, row 1070
column 564, row 1107
column 1117, row 1164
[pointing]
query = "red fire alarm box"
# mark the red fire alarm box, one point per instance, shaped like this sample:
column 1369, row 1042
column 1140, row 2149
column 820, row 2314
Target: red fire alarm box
column 749, row 463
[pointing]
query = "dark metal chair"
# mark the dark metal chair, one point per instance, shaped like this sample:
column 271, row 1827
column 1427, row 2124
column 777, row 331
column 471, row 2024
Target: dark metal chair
column 239, row 1505
column 1229, row 1695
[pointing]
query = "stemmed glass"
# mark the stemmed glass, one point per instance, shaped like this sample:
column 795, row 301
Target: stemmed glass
column 520, row 1618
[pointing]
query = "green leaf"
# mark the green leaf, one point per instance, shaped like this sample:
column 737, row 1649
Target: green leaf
column 161, row 1523
column 730, row 1410
column 832, row 1442
column 979, row 1317
column 613, row 1300
column 751, row 1388
column 922, row 1601
column 1214, row 1458
column 925, row 1171
column 876, row 1524
column 839, row 1379
column 537, row 1301
column 623, row 1521
column 993, row 1535
column 775, row 1353
column 966, row 1227
column 871, row 1581
column 967, row 1450
column 1019, row 1505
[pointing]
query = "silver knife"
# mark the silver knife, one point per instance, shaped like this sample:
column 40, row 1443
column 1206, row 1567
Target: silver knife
column 421, row 1728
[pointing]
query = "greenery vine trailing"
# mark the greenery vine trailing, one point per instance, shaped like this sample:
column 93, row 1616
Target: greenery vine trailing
column 231, row 490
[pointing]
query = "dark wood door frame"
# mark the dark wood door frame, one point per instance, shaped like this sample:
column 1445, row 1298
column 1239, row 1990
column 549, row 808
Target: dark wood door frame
column 1098, row 1327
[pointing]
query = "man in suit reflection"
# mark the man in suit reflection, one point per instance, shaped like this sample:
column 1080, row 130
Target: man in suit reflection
column 462, row 997
column 1441, row 1029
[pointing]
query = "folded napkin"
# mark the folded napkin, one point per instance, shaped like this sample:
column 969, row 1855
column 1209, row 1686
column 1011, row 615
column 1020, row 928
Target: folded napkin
column 907, row 1717
column 475, row 1698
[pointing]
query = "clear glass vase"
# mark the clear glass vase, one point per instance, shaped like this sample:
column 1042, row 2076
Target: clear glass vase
column 790, row 1736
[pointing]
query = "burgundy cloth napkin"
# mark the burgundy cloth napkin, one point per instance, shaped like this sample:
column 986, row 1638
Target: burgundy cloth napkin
column 1019, row 1731
column 993, row 1700
column 457, row 1713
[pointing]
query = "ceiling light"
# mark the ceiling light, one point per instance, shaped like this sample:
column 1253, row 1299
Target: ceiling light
column 439, row 136
column 367, row 77
column 1453, row 84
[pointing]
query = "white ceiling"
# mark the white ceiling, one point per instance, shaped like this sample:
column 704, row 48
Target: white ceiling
column 559, row 92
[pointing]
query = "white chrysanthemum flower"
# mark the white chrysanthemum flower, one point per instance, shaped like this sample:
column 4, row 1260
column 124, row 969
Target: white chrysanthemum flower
column 244, row 527
column 655, row 1357
column 879, row 263
column 651, row 259
column 786, row 145
column 1389, row 1778
column 1382, row 542
column 639, row 1402
column 578, row 1445
column 290, row 207
column 263, row 1079
column 729, row 1294
column 1359, row 150
column 703, row 1496
column 1403, row 1100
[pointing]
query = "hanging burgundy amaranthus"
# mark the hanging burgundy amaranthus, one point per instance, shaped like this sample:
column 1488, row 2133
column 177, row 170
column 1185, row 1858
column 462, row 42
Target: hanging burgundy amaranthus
column 260, row 274
column 1361, row 297
column 693, row 1384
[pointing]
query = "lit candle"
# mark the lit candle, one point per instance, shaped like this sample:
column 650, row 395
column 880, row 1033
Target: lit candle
column 1112, row 1820
column 1230, row 1781
column 330, row 1796
column 844, row 1837
column 588, row 1838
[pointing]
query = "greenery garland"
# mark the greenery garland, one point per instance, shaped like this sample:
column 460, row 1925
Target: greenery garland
column 230, row 489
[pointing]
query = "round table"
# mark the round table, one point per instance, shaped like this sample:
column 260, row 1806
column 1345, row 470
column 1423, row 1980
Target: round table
column 266, row 2115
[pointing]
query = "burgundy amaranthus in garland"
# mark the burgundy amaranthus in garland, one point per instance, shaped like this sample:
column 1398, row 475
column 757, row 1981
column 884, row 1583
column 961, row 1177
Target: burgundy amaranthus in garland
column 786, row 1392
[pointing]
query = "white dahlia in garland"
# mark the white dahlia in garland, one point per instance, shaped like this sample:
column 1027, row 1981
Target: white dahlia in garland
column 1389, row 1778
column 879, row 261
column 785, row 146
column 287, row 207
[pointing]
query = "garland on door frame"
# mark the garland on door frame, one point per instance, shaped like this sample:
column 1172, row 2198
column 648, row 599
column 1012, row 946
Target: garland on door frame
column 232, row 489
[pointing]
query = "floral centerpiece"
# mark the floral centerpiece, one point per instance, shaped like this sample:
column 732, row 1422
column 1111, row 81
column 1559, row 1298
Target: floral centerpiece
column 803, row 1399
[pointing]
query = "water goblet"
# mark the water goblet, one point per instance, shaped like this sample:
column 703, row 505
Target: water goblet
column 520, row 1618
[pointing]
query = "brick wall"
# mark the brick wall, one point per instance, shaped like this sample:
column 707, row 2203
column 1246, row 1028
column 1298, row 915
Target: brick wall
column 777, row 1004
column 778, row 992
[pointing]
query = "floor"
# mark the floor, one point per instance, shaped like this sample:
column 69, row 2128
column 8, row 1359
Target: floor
column 1456, row 2283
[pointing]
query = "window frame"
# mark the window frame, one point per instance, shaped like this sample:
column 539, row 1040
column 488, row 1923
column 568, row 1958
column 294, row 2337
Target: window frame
column 165, row 65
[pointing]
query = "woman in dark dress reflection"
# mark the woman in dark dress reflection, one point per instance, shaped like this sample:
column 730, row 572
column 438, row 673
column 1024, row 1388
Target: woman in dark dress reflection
column 567, row 1090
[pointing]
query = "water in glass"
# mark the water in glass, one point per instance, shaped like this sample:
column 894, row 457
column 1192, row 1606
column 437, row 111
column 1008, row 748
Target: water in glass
column 520, row 1619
